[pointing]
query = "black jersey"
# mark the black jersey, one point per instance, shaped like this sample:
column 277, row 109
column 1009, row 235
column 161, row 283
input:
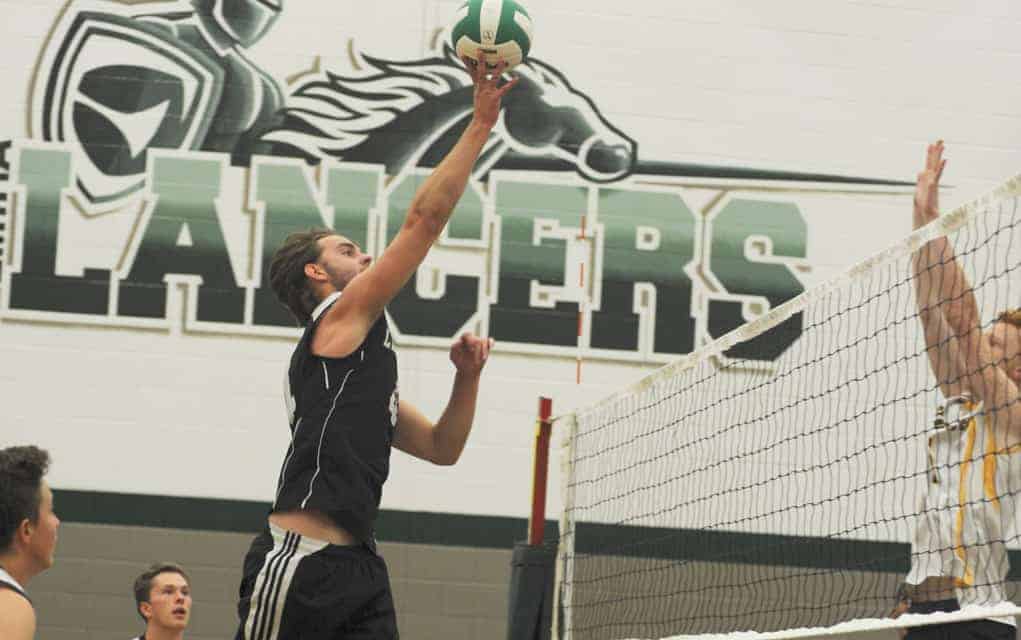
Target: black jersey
column 343, row 412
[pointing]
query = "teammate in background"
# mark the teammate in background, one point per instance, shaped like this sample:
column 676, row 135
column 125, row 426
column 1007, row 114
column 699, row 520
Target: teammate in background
column 28, row 535
column 958, row 553
column 314, row 572
column 163, row 599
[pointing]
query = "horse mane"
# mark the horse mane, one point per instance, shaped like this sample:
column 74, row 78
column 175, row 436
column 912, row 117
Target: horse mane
column 328, row 112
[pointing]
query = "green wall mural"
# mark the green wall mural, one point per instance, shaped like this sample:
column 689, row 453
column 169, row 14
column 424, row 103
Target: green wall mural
column 157, row 111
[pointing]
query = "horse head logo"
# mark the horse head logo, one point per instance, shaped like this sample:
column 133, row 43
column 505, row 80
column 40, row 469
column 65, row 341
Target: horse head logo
column 407, row 114
column 544, row 114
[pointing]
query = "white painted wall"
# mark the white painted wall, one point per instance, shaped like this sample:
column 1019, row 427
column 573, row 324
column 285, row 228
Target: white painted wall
column 849, row 87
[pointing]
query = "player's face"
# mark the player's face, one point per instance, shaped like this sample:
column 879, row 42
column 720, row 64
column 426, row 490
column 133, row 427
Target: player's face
column 342, row 260
column 1005, row 340
column 43, row 543
column 169, row 601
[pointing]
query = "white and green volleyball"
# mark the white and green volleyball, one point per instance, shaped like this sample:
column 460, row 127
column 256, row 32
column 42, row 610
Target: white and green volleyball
column 494, row 30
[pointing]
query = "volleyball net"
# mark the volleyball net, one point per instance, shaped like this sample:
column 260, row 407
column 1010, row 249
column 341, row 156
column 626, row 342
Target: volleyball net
column 718, row 496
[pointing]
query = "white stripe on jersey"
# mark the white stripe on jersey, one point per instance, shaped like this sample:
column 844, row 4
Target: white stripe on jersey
column 266, row 583
column 322, row 436
column 287, row 460
column 327, row 301
column 9, row 580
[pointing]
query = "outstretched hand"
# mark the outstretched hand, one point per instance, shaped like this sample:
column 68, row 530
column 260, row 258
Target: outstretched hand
column 927, row 187
column 488, row 90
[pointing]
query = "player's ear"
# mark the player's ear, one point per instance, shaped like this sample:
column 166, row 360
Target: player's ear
column 145, row 608
column 314, row 272
column 24, row 531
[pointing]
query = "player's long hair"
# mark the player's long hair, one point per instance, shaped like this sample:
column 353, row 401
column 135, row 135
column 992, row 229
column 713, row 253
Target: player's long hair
column 287, row 272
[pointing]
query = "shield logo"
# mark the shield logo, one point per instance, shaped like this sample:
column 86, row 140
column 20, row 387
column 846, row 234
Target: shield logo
column 116, row 87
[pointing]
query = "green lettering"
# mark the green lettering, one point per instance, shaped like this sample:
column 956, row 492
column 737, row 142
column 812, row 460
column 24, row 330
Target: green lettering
column 649, row 238
column 45, row 173
column 187, row 189
column 530, row 213
column 750, row 239
column 457, row 295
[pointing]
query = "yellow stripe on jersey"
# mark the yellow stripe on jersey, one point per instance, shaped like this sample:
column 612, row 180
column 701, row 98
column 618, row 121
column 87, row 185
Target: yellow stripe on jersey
column 989, row 469
column 962, row 499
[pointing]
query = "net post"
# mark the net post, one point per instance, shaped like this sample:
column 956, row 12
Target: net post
column 563, row 573
column 533, row 562
column 540, row 473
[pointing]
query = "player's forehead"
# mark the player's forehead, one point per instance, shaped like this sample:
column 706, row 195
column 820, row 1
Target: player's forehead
column 169, row 579
column 45, row 494
column 1003, row 330
column 336, row 241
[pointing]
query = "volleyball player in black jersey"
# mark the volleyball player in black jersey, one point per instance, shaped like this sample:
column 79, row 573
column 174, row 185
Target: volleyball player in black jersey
column 314, row 572
column 28, row 535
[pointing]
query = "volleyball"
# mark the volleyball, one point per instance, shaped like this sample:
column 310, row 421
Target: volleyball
column 493, row 30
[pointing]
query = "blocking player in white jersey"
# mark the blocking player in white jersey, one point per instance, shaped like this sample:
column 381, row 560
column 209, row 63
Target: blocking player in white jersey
column 959, row 556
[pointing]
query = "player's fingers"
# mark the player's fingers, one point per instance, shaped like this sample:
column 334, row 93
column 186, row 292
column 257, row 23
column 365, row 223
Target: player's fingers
column 510, row 85
column 473, row 67
column 483, row 67
column 939, row 172
column 501, row 66
column 935, row 151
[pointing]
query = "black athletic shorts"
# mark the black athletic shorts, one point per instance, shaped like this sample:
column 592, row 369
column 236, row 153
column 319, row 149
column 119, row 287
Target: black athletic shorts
column 296, row 588
column 967, row 630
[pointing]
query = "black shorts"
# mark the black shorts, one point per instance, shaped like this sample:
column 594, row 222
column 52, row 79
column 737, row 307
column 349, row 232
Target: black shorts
column 296, row 588
column 966, row 630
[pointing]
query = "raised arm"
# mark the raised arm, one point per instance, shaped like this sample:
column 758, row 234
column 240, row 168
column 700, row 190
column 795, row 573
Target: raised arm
column 955, row 295
column 350, row 319
column 932, row 286
column 965, row 357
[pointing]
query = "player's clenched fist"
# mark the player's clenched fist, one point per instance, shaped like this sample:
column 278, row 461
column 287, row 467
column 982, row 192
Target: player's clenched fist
column 470, row 352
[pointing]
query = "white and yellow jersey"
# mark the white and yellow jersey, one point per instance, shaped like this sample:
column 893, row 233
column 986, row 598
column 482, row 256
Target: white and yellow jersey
column 967, row 511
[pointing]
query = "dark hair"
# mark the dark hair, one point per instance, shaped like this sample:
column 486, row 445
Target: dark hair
column 21, row 474
column 143, row 583
column 287, row 272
